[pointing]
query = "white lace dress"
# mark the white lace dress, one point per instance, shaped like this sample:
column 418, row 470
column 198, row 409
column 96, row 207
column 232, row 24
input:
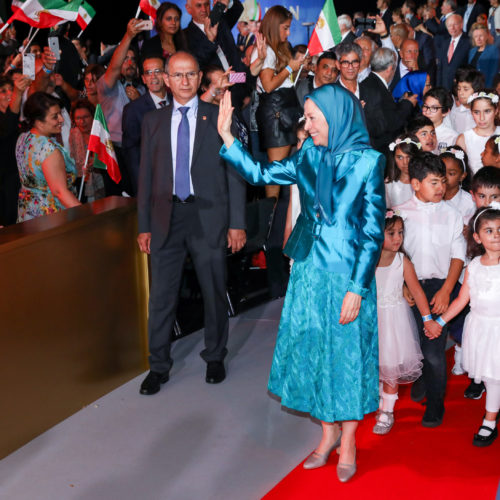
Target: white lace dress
column 481, row 339
column 400, row 357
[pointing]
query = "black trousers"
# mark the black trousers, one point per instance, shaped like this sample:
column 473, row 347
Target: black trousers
column 167, row 265
column 434, row 369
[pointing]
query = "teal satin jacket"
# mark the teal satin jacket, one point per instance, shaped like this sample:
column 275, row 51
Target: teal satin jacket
column 352, row 243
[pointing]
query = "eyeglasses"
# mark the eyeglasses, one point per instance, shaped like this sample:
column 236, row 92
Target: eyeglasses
column 190, row 75
column 353, row 64
column 432, row 109
column 151, row 72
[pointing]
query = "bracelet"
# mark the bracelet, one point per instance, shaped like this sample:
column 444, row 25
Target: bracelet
column 427, row 318
column 47, row 70
column 290, row 70
column 384, row 36
column 13, row 66
column 440, row 321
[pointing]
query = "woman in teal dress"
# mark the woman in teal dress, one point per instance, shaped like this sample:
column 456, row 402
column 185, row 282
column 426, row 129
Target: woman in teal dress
column 326, row 356
column 46, row 170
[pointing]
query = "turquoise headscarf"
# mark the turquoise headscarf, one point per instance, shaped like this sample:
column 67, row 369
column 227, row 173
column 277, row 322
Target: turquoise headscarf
column 413, row 82
column 346, row 133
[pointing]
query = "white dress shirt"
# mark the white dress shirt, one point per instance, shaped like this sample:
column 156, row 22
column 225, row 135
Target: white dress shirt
column 446, row 136
column 433, row 236
column 357, row 86
column 174, row 127
column 157, row 100
column 463, row 203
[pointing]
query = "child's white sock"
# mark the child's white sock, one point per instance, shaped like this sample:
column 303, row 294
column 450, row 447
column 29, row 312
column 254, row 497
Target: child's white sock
column 380, row 392
column 388, row 401
column 491, row 424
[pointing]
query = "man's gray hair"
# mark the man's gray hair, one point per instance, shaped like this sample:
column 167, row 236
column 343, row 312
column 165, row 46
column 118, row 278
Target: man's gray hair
column 452, row 4
column 383, row 58
column 345, row 20
column 371, row 40
column 344, row 48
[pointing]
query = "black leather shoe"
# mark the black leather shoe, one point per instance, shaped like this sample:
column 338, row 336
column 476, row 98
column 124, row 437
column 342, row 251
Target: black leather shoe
column 417, row 392
column 152, row 383
column 216, row 372
column 485, row 440
column 474, row 391
column 432, row 417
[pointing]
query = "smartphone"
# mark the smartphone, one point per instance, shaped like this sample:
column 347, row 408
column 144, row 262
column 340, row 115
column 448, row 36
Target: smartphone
column 146, row 25
column 216, row 13
column 54, row 46
column 237, row 77
column 29, row 66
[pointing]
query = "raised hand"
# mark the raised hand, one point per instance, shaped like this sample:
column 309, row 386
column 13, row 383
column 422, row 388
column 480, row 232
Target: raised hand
column 225, row 119
column 261, row 44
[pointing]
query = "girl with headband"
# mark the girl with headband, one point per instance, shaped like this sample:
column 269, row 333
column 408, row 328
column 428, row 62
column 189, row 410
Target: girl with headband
column 481, row 339
column 397, row 183
column 483, row 107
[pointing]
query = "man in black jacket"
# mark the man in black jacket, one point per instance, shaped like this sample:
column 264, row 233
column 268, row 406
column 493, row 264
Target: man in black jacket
column 384, row 118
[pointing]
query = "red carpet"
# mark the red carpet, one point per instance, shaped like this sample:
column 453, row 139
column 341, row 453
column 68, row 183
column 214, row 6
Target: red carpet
column 411, row 462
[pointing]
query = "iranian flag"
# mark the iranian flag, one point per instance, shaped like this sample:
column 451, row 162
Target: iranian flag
column 326, row 33
column 85, row 15
column 100, row 144
column 44, row 13
column 149, row 7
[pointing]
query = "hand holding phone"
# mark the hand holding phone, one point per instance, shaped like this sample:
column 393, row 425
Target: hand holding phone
column 237, row 77
column 54, row 46
column 146, row 25
column 29, row 66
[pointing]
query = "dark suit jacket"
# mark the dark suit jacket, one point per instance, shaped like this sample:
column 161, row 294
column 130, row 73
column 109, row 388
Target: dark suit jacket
column 133, row 114
column 218, row 189
column 476, row 10
column 487, row 62
column 205, row 51
column 304, row 87
column 385, row 119
column 397, row 75
column 427, row 54
column 432, row 25
column 350, row 37
column 387, row 18
column 446, row 72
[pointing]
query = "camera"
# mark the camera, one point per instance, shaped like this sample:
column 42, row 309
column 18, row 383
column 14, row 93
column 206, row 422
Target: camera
column 364, row 23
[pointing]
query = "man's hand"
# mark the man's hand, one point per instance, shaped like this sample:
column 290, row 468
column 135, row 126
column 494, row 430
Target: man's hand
column 144, row 242
column 132, row 92
column 132, row 29
column 380, row 28
column 48, row 58
column 236, row 239
column 440, row 302
column 210, row 31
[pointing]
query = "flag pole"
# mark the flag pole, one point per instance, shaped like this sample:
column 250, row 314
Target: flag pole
column 4, row 27
column 300, row 69
column 12, row 18
column 138, row 12
column 24, row 49
column 84, row 171
column 79, row 34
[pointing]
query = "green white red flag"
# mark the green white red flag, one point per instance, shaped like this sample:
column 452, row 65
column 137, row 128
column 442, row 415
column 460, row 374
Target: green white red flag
column 100, row 144
column 85, row 15
column 44, row 13
column 149, row 7
column 326, row 33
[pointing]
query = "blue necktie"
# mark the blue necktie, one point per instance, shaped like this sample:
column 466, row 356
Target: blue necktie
column 182, row 157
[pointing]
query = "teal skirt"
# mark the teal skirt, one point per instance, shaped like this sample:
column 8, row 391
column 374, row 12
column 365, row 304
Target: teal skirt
column 319, row 366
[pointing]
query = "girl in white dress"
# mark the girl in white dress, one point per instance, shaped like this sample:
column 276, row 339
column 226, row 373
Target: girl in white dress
column 400, row 357
column 481, row 339
column 397, row 184
column 491, row 154
column 483, row 107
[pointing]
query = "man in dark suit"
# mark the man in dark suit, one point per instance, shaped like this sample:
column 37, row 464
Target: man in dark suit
column 384, row 118
column 213, row 44
column 469, row 13
column 452, row 52
column 134, row 112
column 346, row 29
column 325, row 72
column 188, row 202
column 384, row 12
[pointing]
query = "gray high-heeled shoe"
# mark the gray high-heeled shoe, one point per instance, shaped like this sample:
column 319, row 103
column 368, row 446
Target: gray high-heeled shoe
column 315, row 459
column 346, row 471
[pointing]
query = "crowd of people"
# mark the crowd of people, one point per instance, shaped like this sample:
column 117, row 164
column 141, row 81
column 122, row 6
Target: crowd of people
column 383, row 154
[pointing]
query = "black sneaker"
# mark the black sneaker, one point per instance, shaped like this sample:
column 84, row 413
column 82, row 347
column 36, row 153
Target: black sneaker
column 474, row 391
column 433, row 417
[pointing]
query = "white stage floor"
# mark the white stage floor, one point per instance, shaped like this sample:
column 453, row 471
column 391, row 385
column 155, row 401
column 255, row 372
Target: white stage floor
column 190, row 441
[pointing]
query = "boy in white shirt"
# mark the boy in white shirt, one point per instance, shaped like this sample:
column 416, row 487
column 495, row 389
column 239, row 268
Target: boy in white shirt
column 437, row 105
column 436, row 246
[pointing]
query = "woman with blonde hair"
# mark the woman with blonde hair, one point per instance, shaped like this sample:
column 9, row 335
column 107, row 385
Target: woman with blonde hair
column 483, row 55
